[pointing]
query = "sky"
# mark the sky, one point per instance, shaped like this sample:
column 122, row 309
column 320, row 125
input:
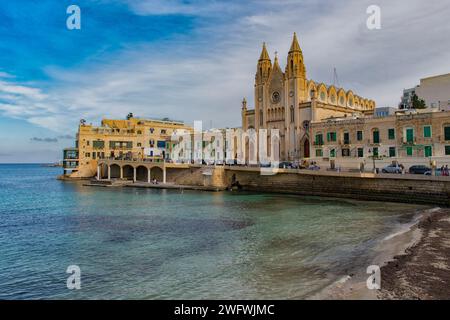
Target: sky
column 194, row 60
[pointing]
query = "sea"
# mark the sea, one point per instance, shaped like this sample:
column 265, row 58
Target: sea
column 134, row 243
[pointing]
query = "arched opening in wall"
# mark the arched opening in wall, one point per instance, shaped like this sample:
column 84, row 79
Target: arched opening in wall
column 156, row 173
column 142, row 174
column 306, row 151
column 128, row 172
column 103, row 171
column 115, row 171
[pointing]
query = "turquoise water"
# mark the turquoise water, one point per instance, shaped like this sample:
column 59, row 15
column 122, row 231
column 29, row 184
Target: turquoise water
column 160, row 244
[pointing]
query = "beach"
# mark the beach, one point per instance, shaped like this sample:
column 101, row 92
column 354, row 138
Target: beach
column 414, row 261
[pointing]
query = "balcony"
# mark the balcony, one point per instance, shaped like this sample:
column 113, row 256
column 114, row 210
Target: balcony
column 70, row 154
column 70, row 165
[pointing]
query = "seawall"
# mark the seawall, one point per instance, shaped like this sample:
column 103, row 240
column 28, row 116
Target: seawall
column 366, row 186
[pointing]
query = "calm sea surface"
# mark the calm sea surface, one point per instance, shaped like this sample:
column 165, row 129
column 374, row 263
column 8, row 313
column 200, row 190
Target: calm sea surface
column 160, row 244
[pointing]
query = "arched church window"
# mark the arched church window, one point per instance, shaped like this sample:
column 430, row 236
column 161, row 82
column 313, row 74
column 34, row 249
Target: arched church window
column 322, row 96
column 292, row 66
column 341, row 100
column 261, row 120
column 350, row 102
column 333, row 98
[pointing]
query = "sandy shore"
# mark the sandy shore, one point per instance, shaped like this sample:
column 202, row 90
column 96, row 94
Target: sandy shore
column 414, row 261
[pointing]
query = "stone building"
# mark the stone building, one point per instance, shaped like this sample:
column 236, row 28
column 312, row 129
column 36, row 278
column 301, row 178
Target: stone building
column 288, row 101
column 131, row 139
column 409, row 138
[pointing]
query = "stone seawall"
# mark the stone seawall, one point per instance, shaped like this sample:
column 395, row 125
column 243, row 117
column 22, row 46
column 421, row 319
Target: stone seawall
column 393, row 188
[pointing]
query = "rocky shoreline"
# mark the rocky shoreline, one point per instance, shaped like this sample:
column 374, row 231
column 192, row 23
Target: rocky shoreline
column 414, row 262
column 423, row 272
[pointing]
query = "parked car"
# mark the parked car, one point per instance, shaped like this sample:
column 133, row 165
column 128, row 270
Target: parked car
column 392, row 168
column 285, row 165
column 438, row 172
column 419, row 169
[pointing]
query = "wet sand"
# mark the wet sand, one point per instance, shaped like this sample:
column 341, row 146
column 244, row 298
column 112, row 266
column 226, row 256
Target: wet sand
column 422, row 273
column 415, row 264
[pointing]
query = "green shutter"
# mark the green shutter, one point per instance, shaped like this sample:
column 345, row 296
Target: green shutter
column 392, row 152
column 409, row 135
column 447, row 133
column 428, row 151
column 376, row 137
column 318, row 152
column 375, row 152
column 391, row 133
column 447, row 150
column 359, row 135
column 427, row 132
column 346, row 138
column 332, row 153
column 409, row 151
column 360, row 152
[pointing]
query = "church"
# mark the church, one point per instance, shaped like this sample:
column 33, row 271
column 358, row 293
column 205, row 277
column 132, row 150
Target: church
column 289, row 102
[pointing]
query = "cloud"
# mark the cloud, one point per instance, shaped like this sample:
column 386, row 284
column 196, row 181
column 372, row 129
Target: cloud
column 50, row 140
column 205, row 73
column 66, row 136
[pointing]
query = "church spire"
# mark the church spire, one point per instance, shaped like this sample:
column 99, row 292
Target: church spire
column 275, row 62
column 295, row 47
column 264, row 53
column 264, row 66
column 295, row 67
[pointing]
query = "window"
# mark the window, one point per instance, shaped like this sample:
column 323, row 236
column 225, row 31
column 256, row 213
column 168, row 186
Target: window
column 360, row 152
column 151, row 130
column 161, row 144
column 375, row 152
column 319, row 153
column 409, row 151
column 139, row 144
column 322, row 96
column 447, row 150
column 409, row 135
column 359, row 135
column 391, row 134
column 99, row 144
column 332, row 153
column 346, row 138
column 331, row 136
column 346, row 152
column 139, row 132
column 376, row 136
column 261, row 120
column 392, row 152
column 163, row 131
column 319, row 139
column 447, row 133
column 427, row 131
column 152, row 143
column 428, row 151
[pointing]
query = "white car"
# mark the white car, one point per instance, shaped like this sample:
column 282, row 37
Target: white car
column 392, row 168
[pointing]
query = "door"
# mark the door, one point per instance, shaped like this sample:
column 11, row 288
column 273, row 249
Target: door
column 306, row 149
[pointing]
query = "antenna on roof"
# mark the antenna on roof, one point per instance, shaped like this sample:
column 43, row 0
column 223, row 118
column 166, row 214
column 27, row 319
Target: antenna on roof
column 335, row 78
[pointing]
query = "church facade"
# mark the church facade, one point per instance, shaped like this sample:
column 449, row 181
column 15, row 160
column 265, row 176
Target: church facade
column 290, row 102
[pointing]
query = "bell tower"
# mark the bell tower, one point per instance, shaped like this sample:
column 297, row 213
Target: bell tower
column 263, row 70
column 296, row 72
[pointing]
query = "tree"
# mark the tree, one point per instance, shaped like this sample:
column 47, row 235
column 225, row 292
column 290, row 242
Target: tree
column 129, row 116
column 418, row 103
